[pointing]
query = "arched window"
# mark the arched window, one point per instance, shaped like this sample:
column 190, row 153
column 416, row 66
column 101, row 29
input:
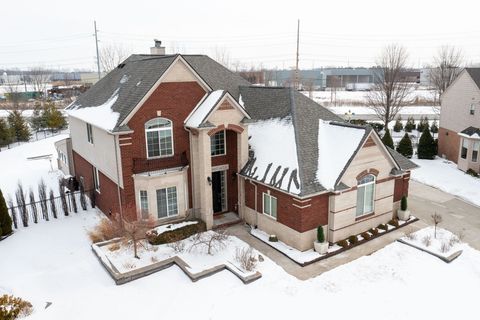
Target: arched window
column 365, row 195
column 159, row 137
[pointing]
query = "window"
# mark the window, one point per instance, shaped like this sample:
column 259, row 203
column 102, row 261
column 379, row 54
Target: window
column 476, row 147
column 96, row 179
column 167, row 202
column 270, row 205
column 89, row 133
column 158, row 133
column 464, row 149
column 472, row 109
column 365, row 195
column 217, row 143
column 144, row 204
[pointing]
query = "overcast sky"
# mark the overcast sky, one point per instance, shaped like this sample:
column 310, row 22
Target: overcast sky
column 54, row 33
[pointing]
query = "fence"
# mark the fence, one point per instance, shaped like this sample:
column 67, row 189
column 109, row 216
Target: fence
column 36, row 136
column 50, row 208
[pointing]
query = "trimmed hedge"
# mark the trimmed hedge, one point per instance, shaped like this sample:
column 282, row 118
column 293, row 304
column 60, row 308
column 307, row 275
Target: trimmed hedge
column 343, row 243
column 177, row 234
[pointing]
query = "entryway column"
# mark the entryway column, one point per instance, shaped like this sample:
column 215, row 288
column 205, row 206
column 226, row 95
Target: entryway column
column 204, row 172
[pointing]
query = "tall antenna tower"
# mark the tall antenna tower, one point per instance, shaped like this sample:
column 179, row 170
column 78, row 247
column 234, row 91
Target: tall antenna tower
column 297, row 80
column 96, row 46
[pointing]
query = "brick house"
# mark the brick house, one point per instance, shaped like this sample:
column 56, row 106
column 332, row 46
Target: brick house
column 459, row 132
column 176, row 136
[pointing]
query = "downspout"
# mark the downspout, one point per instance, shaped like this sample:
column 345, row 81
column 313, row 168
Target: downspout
column 256, row 211
column 117, row 149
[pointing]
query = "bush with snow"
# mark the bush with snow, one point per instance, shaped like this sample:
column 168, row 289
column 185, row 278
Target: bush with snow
column 12, row 308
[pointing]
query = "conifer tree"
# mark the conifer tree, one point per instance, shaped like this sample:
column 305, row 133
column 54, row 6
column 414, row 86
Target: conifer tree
column 5, row 220
column 434, row 127
column 387, row 139
column 426, row 146
column 5, row 134
column 405, row 147
column 53, row 118
column 410, row 125
column 398, row 124
column 18, row 126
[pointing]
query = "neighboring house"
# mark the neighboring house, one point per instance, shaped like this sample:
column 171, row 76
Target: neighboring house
column 180, row 135
column 65, row 156
column 459, row 133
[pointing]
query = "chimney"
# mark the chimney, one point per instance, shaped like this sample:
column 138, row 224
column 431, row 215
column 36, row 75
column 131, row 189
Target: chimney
column 157, row 49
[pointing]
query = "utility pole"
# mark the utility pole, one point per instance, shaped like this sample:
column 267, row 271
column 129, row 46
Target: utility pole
column 297, row 81
column 96, row 45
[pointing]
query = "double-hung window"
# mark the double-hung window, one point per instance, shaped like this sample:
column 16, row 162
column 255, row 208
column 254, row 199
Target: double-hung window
column 472, row 109
column 159, row 135
column 96, row 179
column 167, row 205
column 89, row 133
column 270, row 205
column 476, row 147
column 365, row 195
column 217, row 143
column 464, row 150
column 144, row 203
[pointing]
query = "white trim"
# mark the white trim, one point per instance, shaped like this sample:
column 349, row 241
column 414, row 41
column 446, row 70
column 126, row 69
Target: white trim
column 89, row 133
column 467, row 136
column 364, row 185
column 96, row 179
column 224, row 144
column 301, row 207
column 221, row 167
column 140, row 203
column 205, row 86
column 166, row 198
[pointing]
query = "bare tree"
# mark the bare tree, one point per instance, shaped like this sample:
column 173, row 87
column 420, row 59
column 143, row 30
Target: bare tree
column 135, row 230
column 390, row 93
column 222, row 56
column 436, row 218
column 111, row 56
column 211, row 240
column 40, row 78
column 447, row 64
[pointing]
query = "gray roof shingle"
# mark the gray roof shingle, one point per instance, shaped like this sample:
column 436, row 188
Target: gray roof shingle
column 402, row 161
column 475, row 74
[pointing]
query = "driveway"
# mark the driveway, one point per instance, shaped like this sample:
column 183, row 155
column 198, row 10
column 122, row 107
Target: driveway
column 458, row 216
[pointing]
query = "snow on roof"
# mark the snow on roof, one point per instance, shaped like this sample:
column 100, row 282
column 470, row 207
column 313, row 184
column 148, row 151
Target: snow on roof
column 101, row 116
column 199, row 114
column 336, row 145
column 273, row 142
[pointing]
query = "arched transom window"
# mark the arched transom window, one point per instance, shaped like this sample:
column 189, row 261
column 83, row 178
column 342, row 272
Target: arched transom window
column 365, row 195
column 159, row 137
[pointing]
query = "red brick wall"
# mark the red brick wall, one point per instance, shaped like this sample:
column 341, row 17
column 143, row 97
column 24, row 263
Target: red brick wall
column 401, row 187
column 231, row 159
column 107, row 199
column 175, row 101
column 448, row 144
column 288, row 214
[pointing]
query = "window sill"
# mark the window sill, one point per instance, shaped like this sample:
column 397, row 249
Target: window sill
column 160, row 157
column 218, row 155
column 363, row 216
column 269, row 216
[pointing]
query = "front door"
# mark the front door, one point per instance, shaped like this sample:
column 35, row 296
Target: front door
column 218, row 191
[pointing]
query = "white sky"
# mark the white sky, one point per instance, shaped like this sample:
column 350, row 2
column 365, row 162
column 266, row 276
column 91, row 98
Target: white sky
column 54, row 33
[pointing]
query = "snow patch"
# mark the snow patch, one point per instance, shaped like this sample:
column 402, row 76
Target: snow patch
column 273, row 142
column 101, row 116
column 198, row 115
column 336, row 145
column 173, row 226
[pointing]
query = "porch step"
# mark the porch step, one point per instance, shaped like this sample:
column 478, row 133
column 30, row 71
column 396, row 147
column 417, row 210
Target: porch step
column 225, row 220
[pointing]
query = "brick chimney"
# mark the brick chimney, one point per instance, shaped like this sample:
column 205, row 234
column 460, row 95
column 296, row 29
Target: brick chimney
column 157, row 49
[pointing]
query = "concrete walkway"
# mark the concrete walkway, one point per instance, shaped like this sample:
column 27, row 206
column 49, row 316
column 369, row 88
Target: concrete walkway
column 457, row 214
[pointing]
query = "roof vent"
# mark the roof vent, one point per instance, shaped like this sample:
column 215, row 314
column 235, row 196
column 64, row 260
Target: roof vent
column 121, row 65
column 157, row 49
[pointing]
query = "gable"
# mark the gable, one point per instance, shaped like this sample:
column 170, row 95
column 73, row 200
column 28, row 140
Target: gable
column 179, row 72
column 226, row 112
column 372, row 157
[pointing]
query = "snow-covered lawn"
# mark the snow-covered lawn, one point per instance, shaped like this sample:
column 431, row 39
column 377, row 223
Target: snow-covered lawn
column 445, row 175
column 16, row 166
column 444, row 244
column 53, row 262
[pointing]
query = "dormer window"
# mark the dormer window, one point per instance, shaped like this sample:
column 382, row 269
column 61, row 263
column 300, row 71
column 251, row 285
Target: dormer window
column 159, row 136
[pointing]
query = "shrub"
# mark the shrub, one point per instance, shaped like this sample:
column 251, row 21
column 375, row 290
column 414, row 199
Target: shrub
column 403, row 203
column 398, row 124
column 387, row 139
column 343, row 243
column 5, row 220
column 320, row 234
column 472, row 172
column 211, row 241
column 405, row 147
column 175, row 235
column 105, row 230
column 445, row 247
column 13, row 308
column 376, row 126
column 382, row 226
column 427, row 148
column 394, row 222
column 427, row 240
column 366, row 235
column 272, row 238
column 177, row 246
column 353, row 239
column 434, row 127
column 246, row 258
column 373, row 231
column 411, row 236
column 410, row 125
column 423, row 124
